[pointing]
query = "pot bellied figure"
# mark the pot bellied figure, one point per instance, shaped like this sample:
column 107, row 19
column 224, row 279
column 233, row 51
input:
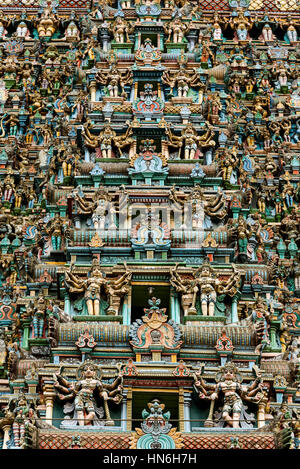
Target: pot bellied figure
column 95, row 285
column 228, row 384
column 81, row 398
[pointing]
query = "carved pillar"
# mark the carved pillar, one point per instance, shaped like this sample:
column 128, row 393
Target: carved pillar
column 187, row 411
column 49, row 395
column 86, row 155
column 26, row 331
column 181, row 410
column 67, row 304
column 234, row 311
column 129, row 300
column 165, row 149
column 93, row 89
column 261, row 413
column 6, row 438
column 132, row 150
column 123, row 423
column 129, row 410
column 175, row 306
column 126, row 309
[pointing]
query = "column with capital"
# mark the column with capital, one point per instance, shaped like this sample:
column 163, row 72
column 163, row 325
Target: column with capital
column 49, row 395
column 187, row 401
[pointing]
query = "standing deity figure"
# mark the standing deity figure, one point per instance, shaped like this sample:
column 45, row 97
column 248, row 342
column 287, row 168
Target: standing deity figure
column 176, row 30
column 205, row 283
column 228, row 386
column 185, row 286
column 8, row 189
column 125, row 4
column 267, row 33
column 241, row 24
column 80, row 105
column 55, row 228
column 291, row 32
column 214, row 106
column 190, row 139
column 280, row 71
column 22, row 413
column 185, row 79
column 4, row 23
column 260, row 316
column 121, row 30
column 116, row 289
column 82, row 397
column 72, row 32
column 228, row 160
column 288, row 194
column 115, row 79
column 39, row 311
column 92, row 287
column 216, row 28
column 12, row 123
column 106, row 139
column 102, row 209
column 96, row 285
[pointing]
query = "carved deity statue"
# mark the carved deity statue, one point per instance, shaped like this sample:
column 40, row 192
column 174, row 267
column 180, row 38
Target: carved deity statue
column 191, row 140
column 47, row 24
column 121, row 30
column 96, row 285
column 115, row 79
column 82, row 397
column 183, row 78
column 207, row 285
column 176, row 30
column 228, row 386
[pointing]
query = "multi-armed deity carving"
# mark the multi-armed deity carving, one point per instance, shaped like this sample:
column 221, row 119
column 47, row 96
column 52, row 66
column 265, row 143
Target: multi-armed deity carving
column 204, row 208
column 204, row 284
column 102, row 208
column 47, row 24
column 106, row 139
column 241, row 23
column 97, row 287
column 115, row 80
column 232, row 412
column 83, row 399
column 191, row 142
column 183, row 79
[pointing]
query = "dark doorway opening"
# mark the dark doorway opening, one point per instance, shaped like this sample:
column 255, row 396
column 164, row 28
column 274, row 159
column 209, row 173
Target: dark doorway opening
column 140, row 400
column 142, row 293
